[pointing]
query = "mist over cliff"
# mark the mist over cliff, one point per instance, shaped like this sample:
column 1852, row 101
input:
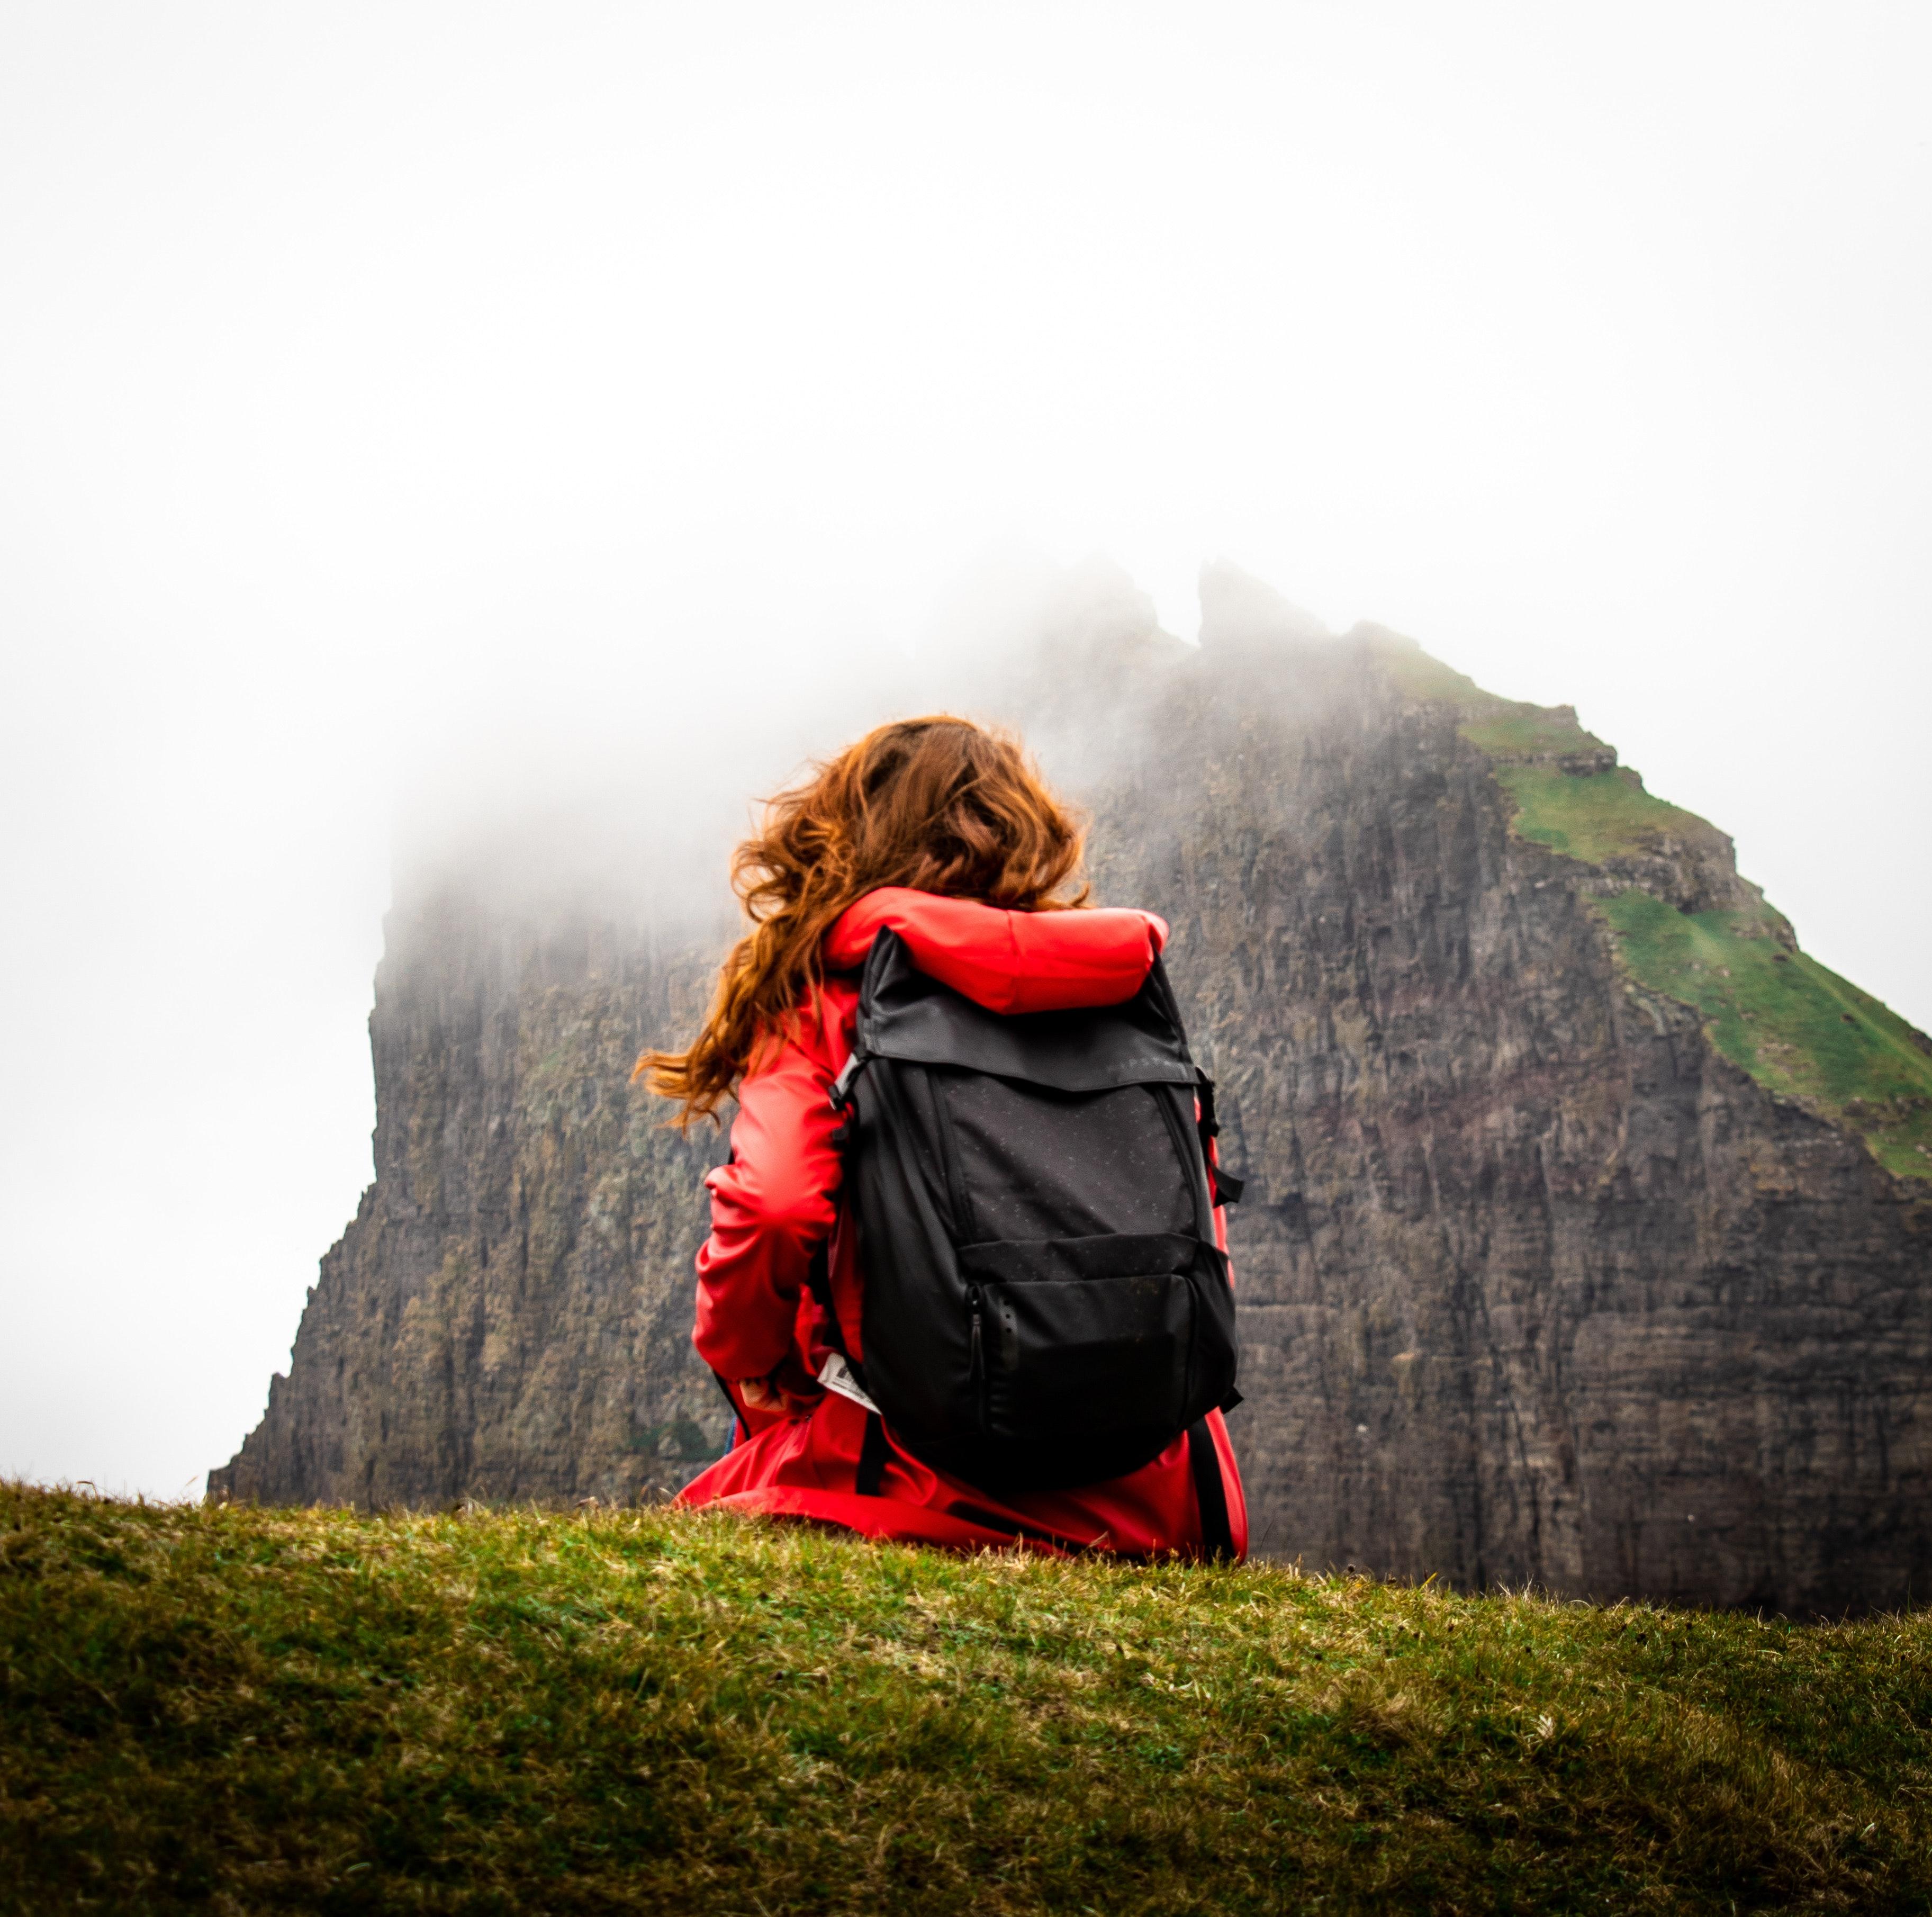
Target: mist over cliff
column 1589, row 1221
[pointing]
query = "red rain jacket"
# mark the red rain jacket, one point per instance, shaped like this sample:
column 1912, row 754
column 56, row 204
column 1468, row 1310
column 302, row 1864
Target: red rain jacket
column 778, row 1197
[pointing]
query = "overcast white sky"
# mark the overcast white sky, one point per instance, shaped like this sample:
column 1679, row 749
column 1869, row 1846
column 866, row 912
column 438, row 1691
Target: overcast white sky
column 370, row 377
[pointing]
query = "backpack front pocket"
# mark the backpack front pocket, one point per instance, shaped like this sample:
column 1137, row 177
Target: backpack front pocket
column 1095, row 1357
column 1096, row 1351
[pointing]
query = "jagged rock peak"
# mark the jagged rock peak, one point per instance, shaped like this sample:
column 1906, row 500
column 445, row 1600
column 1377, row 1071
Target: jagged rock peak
column 1240, row 610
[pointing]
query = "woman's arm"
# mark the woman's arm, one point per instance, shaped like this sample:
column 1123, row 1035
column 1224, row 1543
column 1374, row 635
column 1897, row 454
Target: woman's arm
column 1007, row 962
column 771, row 1206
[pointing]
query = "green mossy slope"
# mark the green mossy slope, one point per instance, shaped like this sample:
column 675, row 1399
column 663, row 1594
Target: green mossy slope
column 242, row 1710
column 1795, row 1026
column 1595, row 817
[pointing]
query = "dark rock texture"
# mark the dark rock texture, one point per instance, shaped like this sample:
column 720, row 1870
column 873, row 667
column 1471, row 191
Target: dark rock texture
column 1535, row 1284
column 509, row 1316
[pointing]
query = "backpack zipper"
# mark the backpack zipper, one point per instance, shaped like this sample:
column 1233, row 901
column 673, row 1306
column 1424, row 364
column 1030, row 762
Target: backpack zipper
column 976, row 1369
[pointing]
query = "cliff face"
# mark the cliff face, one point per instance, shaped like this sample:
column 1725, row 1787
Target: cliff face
column 1582, row 1242
column 509, row 1316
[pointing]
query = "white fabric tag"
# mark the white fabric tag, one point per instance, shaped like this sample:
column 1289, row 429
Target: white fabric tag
column 835, row 1375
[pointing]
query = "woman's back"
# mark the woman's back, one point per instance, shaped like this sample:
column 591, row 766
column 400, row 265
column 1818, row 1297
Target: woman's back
column 781, row 1283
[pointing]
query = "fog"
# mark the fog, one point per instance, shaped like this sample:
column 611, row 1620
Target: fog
column 408, row 413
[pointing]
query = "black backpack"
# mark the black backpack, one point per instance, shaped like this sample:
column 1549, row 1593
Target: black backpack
column 1045, row 1303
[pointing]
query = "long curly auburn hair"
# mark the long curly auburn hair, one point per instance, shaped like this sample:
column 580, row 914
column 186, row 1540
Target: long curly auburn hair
column 938, row 805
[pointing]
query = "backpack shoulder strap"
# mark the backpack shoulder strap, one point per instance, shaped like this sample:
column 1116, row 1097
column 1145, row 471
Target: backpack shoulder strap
column 1217, row 1536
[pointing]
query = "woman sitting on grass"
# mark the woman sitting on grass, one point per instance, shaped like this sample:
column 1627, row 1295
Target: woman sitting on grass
column 942, row 832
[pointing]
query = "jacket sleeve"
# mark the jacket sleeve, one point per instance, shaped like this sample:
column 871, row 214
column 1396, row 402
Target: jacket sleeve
column 1008, row 962
column 771, row 1206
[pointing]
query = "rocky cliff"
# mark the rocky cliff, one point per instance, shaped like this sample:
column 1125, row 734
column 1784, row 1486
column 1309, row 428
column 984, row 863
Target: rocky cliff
column 1589, row 1234
column 508, row 1315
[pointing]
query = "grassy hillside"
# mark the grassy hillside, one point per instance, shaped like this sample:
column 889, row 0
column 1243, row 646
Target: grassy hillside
column 243, row 1711
column 1795, row 1025
column 1792, row 1023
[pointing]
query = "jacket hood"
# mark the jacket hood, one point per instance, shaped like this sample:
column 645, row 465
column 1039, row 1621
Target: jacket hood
column 1007, row 962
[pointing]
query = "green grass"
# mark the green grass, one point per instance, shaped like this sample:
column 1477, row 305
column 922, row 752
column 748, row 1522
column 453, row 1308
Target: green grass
column 238, row 1710
column 1566, row 796
column 1794, row 1025
column 1507, row 732
column 1594, row 816
column 1799, row 1029
column 1421, row 676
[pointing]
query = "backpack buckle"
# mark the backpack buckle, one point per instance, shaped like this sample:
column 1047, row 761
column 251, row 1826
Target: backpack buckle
column 841, row 1086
